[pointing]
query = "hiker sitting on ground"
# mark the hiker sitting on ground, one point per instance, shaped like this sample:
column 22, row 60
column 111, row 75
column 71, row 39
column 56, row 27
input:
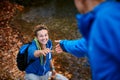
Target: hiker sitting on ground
column 40, row 51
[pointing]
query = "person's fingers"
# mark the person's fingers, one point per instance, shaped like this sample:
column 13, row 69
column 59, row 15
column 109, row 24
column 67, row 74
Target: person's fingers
column 47, row 50
column 58, row 50
column 57, row 41
column 58, row 45
column 43, row 53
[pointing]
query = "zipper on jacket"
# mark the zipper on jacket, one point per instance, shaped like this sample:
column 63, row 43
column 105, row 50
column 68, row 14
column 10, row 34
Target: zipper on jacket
column 44, row 68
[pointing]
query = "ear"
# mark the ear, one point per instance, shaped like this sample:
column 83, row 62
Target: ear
column 80, row 5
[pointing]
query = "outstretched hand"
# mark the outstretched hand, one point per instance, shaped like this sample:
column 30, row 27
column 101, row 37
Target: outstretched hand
column 42, row 52
column 45, row 51
column 58, row 48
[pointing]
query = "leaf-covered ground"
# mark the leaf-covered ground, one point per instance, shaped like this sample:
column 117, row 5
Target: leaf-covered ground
column 72, row 67
column 66, row 64
column 12, row 37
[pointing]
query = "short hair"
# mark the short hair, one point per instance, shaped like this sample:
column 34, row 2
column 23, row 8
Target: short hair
column 39, row 27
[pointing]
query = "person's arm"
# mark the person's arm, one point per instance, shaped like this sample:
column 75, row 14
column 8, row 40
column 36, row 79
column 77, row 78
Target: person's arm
column 52, row 65
column 31, row 50
column 77, row 48
column 38, row 53
column 33, row 53
column 52, row 69
column 104, row 45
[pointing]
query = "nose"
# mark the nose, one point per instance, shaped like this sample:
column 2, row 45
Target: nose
column 44, row 37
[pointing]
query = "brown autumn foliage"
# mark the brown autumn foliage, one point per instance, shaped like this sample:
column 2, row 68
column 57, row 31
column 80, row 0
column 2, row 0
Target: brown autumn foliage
column 10, row 41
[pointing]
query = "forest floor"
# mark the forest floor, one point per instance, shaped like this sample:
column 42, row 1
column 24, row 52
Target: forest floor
column 13, row 35
column 70, row 66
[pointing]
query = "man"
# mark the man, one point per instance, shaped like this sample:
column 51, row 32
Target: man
column 99, row 23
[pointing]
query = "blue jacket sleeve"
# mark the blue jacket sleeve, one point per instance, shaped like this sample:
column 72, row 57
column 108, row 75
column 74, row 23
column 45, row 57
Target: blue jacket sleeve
column 77, row 47
column 31, row 51
column 104, row 45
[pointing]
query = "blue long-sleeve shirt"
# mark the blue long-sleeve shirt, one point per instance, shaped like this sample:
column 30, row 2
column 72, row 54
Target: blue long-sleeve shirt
column 104, row 42
column 36, row 67
column 101, row 29
column 76, row 47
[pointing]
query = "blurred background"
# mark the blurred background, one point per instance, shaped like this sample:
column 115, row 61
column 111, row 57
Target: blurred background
column 17, row 19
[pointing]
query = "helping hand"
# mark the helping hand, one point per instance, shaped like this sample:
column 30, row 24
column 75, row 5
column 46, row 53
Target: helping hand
column 58, row 48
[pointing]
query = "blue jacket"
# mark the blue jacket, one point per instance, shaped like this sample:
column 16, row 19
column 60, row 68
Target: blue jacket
column 76, row 47
column 101, row 30
column 36, row 67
